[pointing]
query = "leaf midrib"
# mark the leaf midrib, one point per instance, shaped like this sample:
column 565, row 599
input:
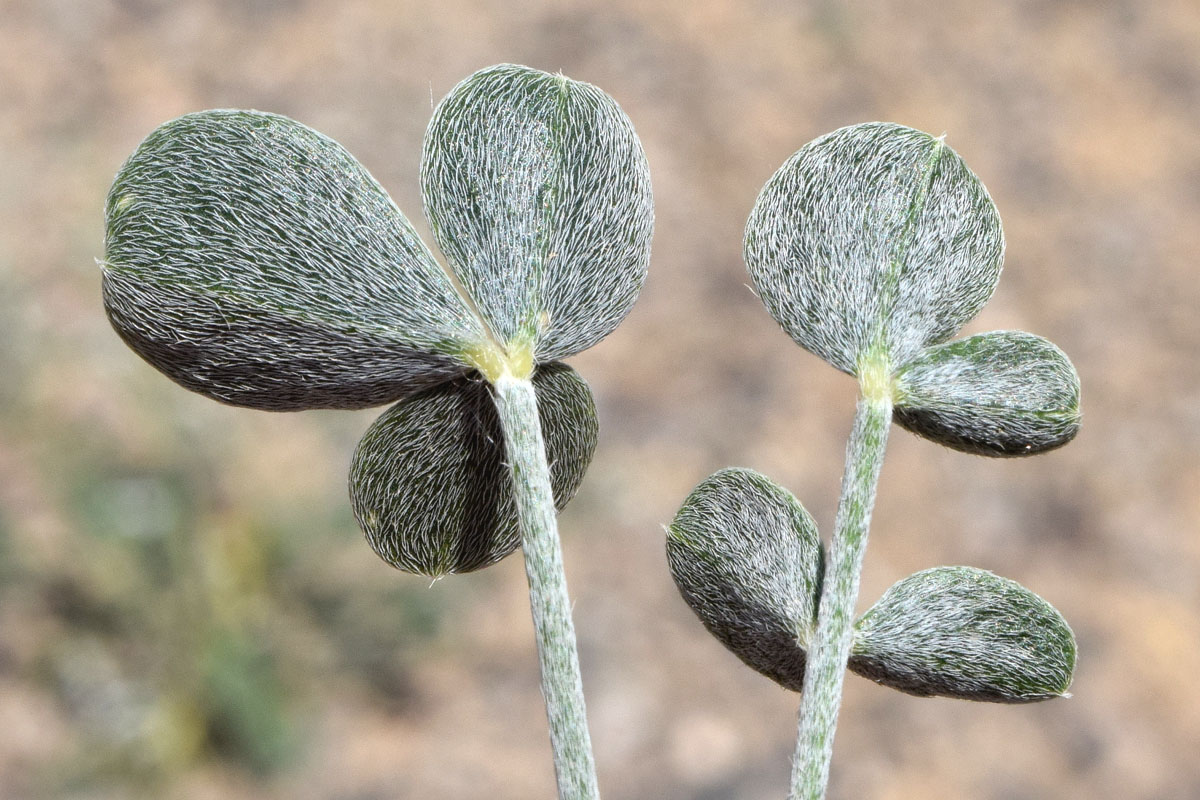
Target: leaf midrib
column 898, row 259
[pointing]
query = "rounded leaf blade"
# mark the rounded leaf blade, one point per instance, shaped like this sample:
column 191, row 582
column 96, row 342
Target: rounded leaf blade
column 875, row 238
column 1004, row 393
column 747, row 558
column 966, row 633
column 538, row 192
column 255, row 261
column 429, row 484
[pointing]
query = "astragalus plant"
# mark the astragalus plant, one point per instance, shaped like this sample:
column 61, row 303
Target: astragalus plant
column 255, row 261
column 871, row 247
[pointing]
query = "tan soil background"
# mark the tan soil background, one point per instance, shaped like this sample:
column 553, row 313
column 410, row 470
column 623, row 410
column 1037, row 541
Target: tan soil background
column 187, row 609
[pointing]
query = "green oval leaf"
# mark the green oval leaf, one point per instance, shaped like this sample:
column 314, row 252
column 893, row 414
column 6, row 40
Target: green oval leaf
column 967, row 633
column 875, row 238
column 429, row 484
column 538, row 192
column 747, row 558
column 1004, row 393
column 255, row 261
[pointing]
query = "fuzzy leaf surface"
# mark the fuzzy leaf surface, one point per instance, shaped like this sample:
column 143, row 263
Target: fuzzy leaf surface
column 255, row 261
column 747, row 558
column 538, row 192
column 875, row 237
column 966, row 633
column 429, row 484
column 1004, row 393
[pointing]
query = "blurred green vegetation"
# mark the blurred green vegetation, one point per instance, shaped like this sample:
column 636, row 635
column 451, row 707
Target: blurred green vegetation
column 179, row 630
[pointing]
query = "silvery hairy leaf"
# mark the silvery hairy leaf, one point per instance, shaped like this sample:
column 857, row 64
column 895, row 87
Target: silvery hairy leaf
column 747, row 558
column 429, row 484
column 875, row 238
column 538, row 192
column 253, row 260
column 966, row 633
column 1004, row 393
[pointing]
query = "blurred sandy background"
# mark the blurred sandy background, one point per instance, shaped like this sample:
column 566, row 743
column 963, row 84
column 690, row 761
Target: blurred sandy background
column 187, row 609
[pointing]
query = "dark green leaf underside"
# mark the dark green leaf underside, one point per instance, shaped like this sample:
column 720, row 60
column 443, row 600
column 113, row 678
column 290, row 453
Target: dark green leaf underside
column 1004, row 393
column 429, row 484
column 747, row 558
column 254, row 260
column 966, row 633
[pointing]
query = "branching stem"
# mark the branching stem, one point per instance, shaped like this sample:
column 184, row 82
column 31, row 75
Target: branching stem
column 561, row 684
column 830, row 646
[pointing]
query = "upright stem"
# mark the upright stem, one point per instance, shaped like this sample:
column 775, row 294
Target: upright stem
column 561, row 684
column 830, row 647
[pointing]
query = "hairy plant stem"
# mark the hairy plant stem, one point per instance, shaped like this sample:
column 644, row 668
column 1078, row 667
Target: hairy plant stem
column 561, row 684
column 830, row 645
